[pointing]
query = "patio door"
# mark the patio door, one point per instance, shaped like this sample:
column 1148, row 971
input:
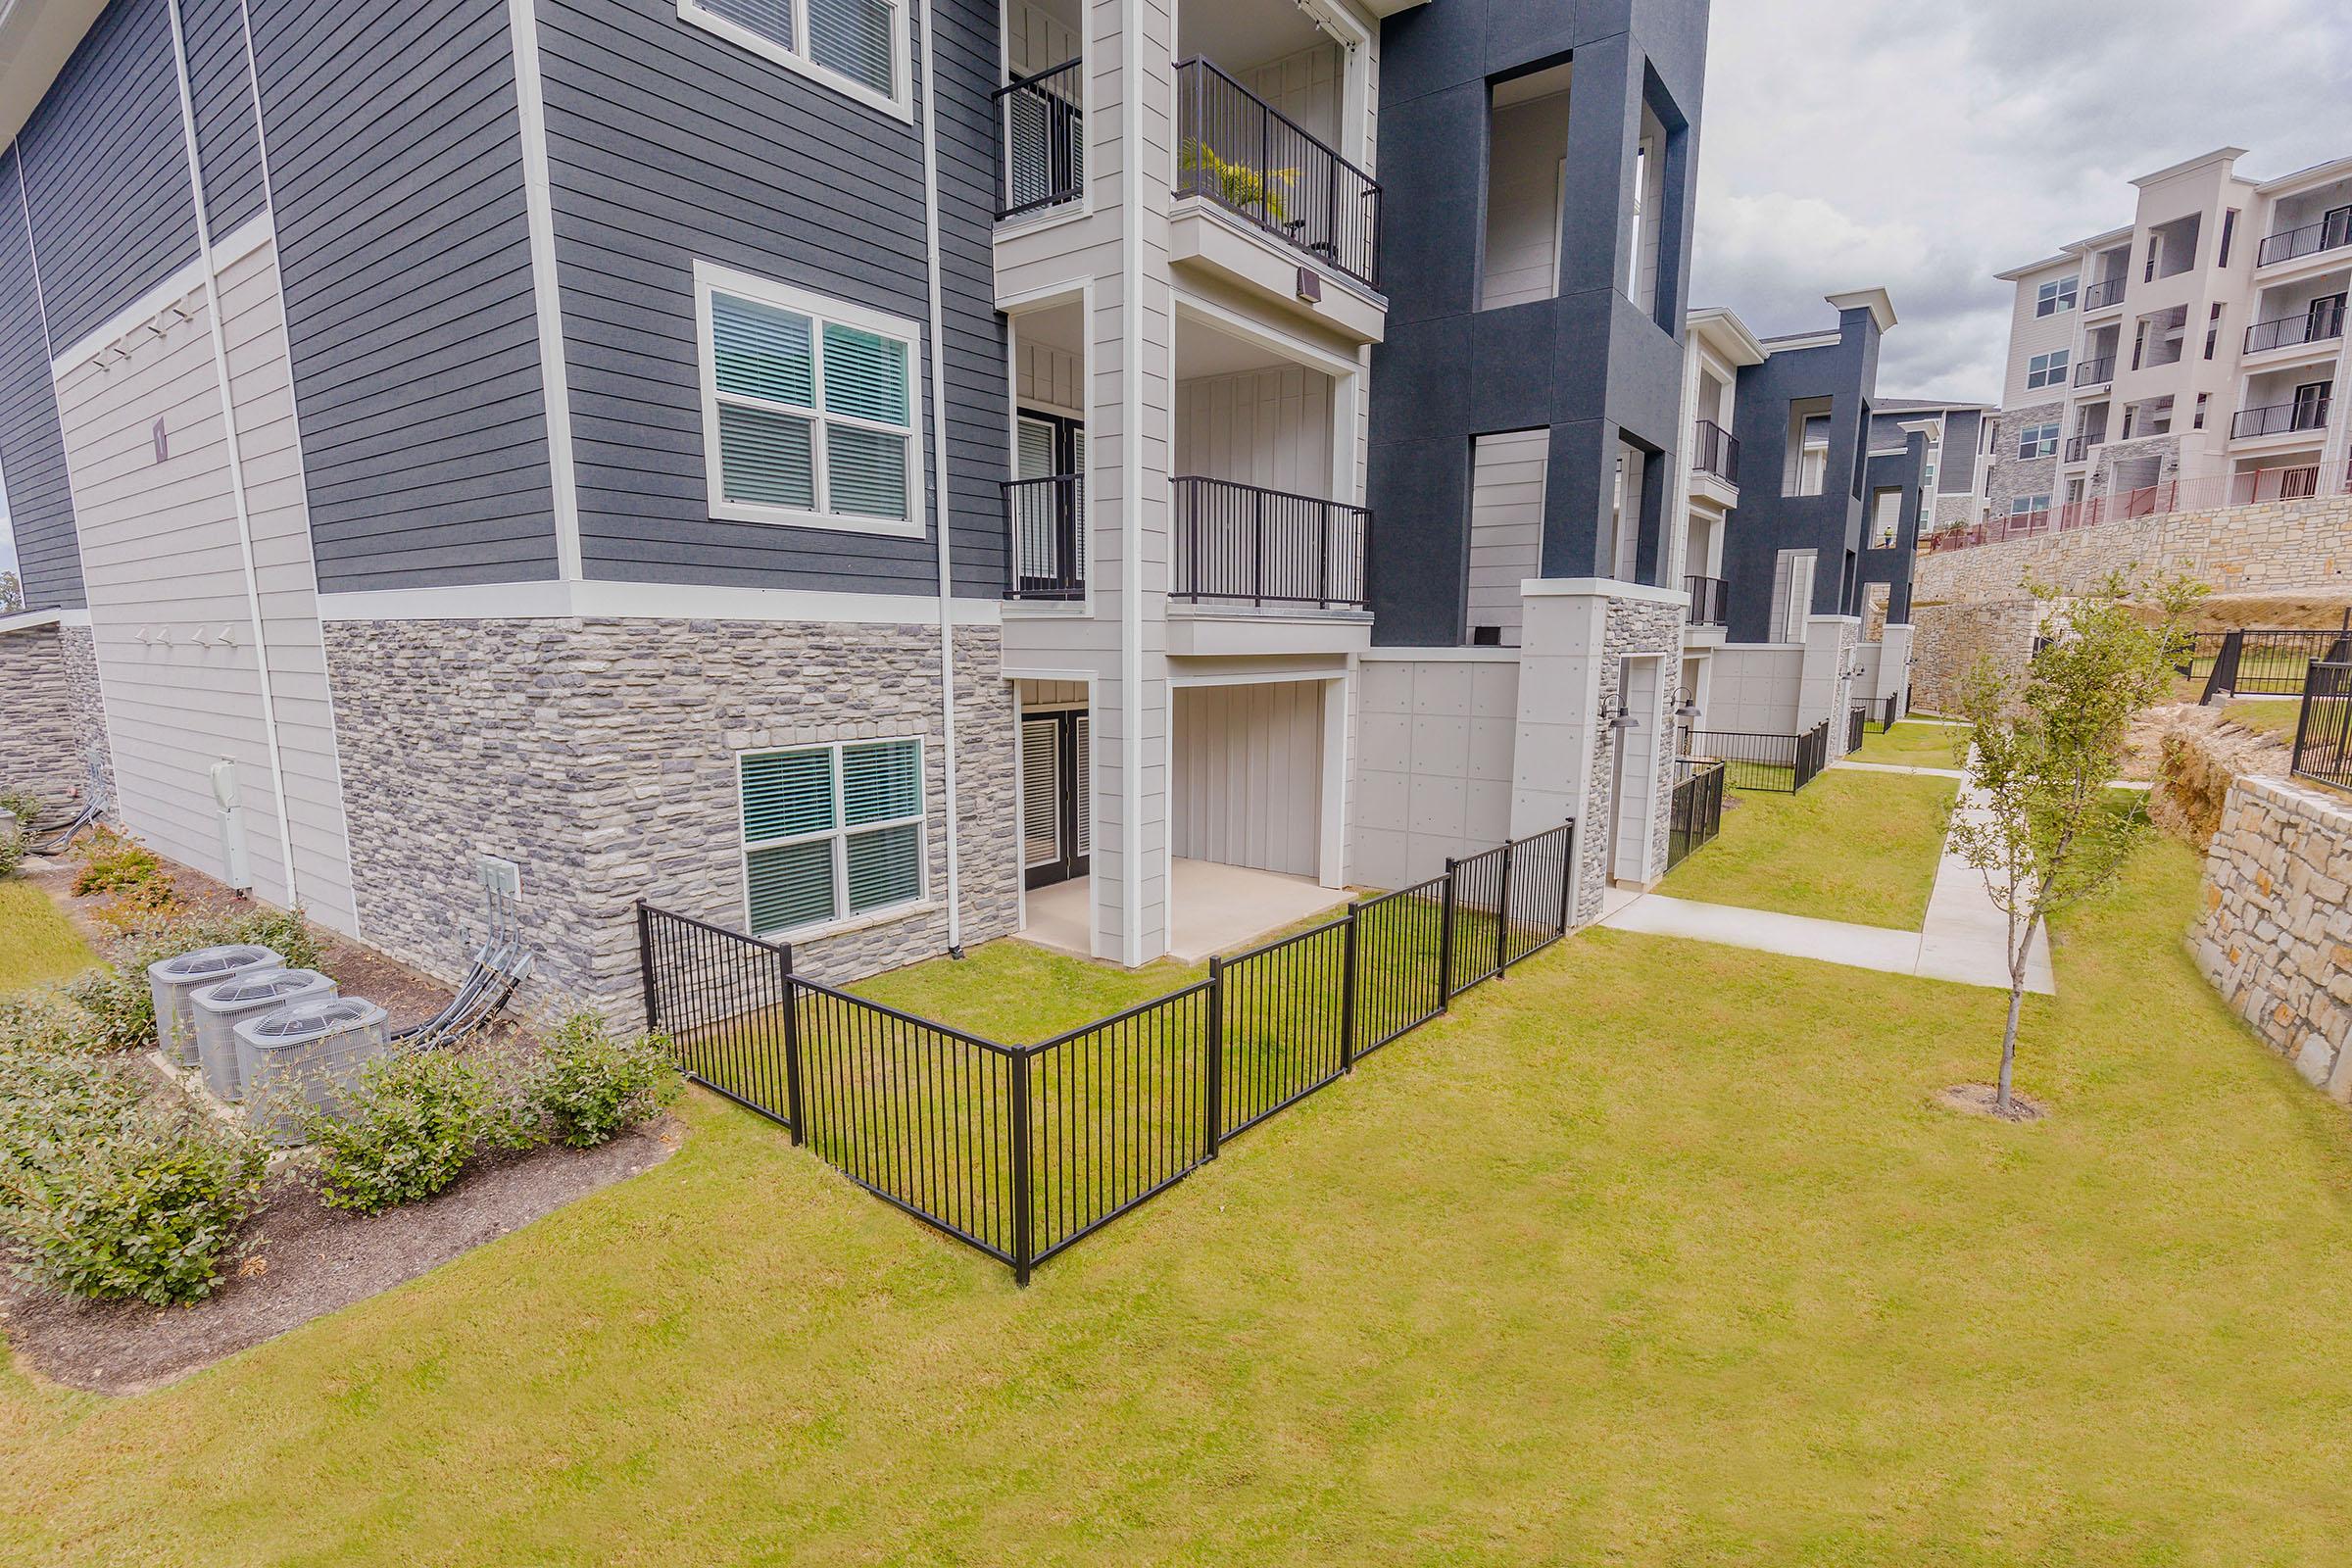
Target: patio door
column 1049, row 522
column 1055, row 827
column 2311, row 405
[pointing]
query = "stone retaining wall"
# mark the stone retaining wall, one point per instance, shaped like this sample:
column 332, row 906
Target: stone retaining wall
column 1947, row 641
column 2273, row 545
column 41, row 752
column 2275, row 933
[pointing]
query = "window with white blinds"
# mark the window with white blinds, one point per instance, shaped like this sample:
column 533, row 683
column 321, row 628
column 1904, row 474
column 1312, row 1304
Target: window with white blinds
column 857, row 47
column 831, row 833
column 809, row 407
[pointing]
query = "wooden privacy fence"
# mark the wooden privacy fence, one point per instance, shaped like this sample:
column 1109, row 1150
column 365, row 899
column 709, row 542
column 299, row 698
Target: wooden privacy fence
column 1023, row 1150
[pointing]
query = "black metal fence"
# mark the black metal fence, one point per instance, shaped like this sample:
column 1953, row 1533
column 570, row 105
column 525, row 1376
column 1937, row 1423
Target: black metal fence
column 1783, row 764
column 1715, row 450
column 2324, row 731
column 1045, row 527
column 1857, row 718
column 1250, row 158
column 1023, row 1150
column 1697, row 811
column 1710, row 601
column 1247, row 544
column 2261, row 661
column 1040, row 140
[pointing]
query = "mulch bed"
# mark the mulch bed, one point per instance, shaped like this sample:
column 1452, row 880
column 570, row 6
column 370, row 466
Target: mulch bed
column 303, row 1261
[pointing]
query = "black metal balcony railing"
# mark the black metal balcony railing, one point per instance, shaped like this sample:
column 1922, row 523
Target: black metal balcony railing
column 1715, row 450
column 1250, row 158
column 1044, row 525
column 2329, row 233
column 2304, row 413
column 2078, row 448
column 1241, row 542
column 2095, row 373
column 2320, row 321
column 2098, row 296
column 1710, row 601
column 1041, row 140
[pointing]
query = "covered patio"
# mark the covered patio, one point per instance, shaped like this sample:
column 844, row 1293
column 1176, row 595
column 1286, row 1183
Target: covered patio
column 1216, row 908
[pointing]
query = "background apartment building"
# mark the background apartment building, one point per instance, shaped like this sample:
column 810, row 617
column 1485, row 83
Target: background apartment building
column 877, row 474
column 2189, row 358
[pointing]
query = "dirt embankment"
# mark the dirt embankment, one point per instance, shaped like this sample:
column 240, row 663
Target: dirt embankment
column 2194, row 755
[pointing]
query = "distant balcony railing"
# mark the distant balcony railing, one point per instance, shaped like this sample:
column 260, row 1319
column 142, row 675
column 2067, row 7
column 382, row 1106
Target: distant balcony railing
column 1716, row 450
column 1710, row 601
column 2323, row 321
column 1044, row 524
column 2281, row 418
column 2095, row 373
column 1241, row 543
column 1041, row 140
column 2098, row 296
column 2329, row 233
column 1250, row 158
column 2078, row 448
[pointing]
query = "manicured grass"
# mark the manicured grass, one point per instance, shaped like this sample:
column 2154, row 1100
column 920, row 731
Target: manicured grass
column 1911, row 744
column 2270, row 716
column 1017, row 995
column 1654, row 1253
column 1851, row 846
column 36, row 943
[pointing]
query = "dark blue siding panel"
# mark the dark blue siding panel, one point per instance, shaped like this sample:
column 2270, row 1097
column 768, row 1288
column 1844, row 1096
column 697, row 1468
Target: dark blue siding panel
column 220, row 85
column 106, row 166
column 32, row 452
column 667, row 144
column 395, row 165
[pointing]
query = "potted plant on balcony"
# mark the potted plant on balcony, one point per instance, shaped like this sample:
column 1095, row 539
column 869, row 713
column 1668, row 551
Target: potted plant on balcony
column 1236, row 184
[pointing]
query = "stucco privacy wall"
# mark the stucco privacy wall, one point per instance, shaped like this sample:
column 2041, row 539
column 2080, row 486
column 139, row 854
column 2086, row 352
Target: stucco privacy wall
column 40, row 751
column 2275, row 933
column 601, row 756
column 1947, row 641
column 2277, row 543
column 1435, row 738
column 1753, row 689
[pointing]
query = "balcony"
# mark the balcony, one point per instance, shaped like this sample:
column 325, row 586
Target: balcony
column 1242, row 154
column 1044, row 525
column 1040, row 141
column 2332, row 232
column 1710, row 601
column 1716, row 450
column 2281, row 418
column 2078, row 448
column 1242, row 544
column 2103, row 294
column 2323, row 322
column 2096, row 372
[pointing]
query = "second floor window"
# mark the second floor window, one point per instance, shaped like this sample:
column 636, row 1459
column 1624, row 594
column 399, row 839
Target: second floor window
column 859, row 47
column 2037, row 440
column 2056, row 296
column 2047, row 369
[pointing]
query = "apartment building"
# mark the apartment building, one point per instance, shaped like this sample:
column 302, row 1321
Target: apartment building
column 2186, row 359
column 882, row 474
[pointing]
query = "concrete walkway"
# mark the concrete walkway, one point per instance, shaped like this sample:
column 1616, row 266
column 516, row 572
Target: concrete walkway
column 1899, row 768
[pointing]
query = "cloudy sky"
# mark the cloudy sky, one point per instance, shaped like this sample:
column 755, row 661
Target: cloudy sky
column 1926, row 146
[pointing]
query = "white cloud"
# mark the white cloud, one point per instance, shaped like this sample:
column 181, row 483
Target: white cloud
column 1847, row 143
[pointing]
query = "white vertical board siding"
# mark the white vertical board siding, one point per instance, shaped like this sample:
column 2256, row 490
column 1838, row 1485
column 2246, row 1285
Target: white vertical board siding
column 1035, row 39
column 1309, row 86
column 1271, row 428
column 1249, row 780
column 165, row 580
column 1506, row 526
column 1051, row 378
column 1523, row 202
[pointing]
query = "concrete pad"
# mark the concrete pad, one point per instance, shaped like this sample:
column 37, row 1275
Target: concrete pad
column 1899, row 768
column 1795, row 935
column 1217, row 908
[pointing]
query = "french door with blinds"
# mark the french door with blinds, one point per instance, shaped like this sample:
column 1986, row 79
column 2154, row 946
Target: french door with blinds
column 1054, row 829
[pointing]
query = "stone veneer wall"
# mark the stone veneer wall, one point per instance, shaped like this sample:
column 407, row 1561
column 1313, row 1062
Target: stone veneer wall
column 2273, row 545
column 2012, row 476
column 2275, row 933
column 1948, row 640
column 41, row 753
column 1635, row 628
column 599, row 754
column 93, row 753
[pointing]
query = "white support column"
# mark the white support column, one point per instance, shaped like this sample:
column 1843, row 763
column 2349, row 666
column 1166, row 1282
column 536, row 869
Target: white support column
column 1827, row 687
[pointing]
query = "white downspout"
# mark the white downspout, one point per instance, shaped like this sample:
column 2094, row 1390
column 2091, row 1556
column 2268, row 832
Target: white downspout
column 236, row 463
column 942, row 513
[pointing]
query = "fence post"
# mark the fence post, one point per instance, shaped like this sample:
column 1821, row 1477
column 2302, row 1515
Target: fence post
column 792, row 1044
column 1348, row 993
column 1567, row 877
column 645, row 967
column 1021, row 1182
column 1502, row 909
column 1445, row 940
column 2223, row 676
column 1215, row 1128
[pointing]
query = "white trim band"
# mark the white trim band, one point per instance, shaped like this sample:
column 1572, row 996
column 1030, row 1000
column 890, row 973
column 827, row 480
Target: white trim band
column 648, row 601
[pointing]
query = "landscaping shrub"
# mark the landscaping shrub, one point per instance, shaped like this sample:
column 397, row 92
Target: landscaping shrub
column 26, row 806
column 406, row 1131
column 112, row 862
column 46, row 1021
column 587, row 1086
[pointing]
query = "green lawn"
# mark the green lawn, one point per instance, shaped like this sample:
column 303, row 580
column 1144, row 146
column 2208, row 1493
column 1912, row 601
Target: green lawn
column 2270, row 715
column 1851, row 846
column 36, row 943
column 1653, row 1253
column 1911, row 744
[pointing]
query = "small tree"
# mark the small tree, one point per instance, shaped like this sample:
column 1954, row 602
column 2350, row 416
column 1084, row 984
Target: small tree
column 11, row 593
column 2043, row 824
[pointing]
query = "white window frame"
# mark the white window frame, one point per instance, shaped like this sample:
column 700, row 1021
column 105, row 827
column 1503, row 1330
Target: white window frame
column 2058, row 296
column 710, row 279
column 840, row 833
column 2052, row 369
column 898, row 102
column 2037, row 441
column 2027, row 506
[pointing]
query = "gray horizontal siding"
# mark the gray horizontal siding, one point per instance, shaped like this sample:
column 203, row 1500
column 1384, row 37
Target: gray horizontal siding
column 32, row 452
column 220, row 87
column 667, row 144
column 106, row 168
column 395, row 165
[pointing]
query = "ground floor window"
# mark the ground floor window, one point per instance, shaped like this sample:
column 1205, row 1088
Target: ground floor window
column 831, row 832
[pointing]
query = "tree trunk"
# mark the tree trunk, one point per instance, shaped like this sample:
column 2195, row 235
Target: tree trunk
column 2018, row 951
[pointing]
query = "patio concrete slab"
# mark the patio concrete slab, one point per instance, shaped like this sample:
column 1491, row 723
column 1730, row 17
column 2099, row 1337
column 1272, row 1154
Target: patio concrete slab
column 1217, row 908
